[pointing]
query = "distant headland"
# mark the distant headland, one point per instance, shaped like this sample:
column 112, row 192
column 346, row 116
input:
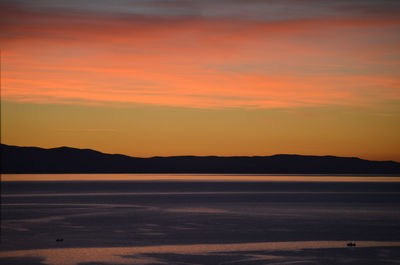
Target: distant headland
column 15, row 159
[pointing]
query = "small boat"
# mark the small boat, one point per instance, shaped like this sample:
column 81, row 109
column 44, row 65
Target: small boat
column 351, row 244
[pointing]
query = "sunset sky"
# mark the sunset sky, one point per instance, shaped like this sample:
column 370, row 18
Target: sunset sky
column 203, row 77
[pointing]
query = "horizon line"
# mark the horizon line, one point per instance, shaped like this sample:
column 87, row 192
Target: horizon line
column 200, row 156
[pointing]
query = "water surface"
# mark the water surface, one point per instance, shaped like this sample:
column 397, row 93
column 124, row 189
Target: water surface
column 200, row 177
column 230, row 219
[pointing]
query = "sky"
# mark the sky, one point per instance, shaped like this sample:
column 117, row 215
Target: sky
column 203, row 77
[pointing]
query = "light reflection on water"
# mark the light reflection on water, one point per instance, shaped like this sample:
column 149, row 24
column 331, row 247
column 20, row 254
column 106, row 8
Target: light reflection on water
column 96, row 194
column 136, row 255
column 199, row 177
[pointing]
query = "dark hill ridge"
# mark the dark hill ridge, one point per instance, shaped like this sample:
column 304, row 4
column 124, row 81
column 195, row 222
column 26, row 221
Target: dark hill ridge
column 16, row 159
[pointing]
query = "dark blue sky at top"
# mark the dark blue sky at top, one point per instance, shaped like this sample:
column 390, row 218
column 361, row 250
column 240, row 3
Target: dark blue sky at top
column 241, row 9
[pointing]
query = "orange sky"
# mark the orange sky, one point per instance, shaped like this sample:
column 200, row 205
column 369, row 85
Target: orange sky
column 288, row 60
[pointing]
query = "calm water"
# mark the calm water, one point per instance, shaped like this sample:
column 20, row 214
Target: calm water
column 199, row 219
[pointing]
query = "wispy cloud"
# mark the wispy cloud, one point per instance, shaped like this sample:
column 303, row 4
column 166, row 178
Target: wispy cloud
column 80, row 130
column 192, row 54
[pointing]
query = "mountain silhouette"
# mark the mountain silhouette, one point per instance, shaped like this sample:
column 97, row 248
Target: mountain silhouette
column 16, row 159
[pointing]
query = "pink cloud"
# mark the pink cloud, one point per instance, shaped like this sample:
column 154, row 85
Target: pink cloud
column 197, row 62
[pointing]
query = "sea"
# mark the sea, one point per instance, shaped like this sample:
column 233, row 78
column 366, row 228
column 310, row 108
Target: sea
column 109, row 219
